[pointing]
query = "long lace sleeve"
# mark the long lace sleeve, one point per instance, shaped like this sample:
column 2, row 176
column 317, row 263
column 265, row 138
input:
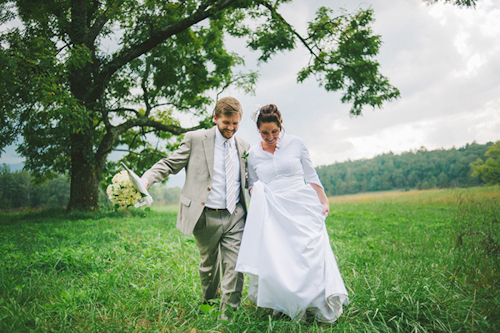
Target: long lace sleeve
column 310, row 174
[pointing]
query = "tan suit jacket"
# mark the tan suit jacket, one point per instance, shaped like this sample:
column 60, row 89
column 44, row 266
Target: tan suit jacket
column 196, row 155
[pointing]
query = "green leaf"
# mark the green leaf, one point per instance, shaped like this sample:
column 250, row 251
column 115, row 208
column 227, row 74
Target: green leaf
column 206, row 308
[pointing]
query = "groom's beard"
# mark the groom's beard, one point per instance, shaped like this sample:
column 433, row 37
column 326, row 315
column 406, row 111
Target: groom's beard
column 227, row 133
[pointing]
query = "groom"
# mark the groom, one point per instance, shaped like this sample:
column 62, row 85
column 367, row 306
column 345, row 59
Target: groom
column 212, row 203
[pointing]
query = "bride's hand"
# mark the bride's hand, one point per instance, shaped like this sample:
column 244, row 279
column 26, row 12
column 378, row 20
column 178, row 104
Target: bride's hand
column 322, row 198
column 326, row 209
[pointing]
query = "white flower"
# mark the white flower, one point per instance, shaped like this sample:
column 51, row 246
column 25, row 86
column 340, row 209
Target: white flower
column 255, row 114
column 121, row 192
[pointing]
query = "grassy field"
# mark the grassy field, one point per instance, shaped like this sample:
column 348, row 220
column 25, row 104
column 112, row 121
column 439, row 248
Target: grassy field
column 425, row 261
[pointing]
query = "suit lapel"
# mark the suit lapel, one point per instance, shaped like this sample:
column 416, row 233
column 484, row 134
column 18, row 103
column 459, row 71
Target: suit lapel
column 208, row 145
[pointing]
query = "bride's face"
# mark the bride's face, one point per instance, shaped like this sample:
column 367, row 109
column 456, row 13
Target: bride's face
column 269, row 133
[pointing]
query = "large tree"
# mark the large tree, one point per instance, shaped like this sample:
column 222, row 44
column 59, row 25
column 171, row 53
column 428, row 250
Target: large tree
column 80, row 78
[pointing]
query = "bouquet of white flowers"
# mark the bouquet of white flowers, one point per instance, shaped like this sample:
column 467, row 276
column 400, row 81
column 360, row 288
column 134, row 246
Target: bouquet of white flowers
column 127, row 189
column 121, row 192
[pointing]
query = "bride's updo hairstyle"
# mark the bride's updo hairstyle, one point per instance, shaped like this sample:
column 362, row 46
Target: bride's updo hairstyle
column 270, row 114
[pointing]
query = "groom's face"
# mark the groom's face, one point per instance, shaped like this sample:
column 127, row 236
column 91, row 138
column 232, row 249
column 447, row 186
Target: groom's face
column 227, row 124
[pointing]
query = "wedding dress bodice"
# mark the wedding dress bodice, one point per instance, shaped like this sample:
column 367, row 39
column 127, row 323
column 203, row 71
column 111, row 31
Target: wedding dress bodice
column 290, row 159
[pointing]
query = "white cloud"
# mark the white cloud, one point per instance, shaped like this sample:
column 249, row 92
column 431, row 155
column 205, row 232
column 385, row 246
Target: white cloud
column 475, row 34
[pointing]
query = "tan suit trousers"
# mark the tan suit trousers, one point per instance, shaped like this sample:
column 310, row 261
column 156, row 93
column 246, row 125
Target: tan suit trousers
column 218, row 236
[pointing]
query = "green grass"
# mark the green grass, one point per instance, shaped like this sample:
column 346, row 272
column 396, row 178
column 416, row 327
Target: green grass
column 135, row 272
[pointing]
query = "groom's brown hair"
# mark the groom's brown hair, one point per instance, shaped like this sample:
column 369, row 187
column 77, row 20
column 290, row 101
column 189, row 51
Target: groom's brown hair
column 228, row 106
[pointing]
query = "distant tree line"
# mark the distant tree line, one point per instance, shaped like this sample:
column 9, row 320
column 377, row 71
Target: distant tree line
column 163, row 195
column 419, row 169
column 19, row 190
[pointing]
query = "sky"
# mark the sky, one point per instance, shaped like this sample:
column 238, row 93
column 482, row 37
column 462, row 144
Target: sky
column 444, row 60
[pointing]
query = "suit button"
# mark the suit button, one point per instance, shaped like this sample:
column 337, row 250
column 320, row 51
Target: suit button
column 208, row 188
column 203, row 204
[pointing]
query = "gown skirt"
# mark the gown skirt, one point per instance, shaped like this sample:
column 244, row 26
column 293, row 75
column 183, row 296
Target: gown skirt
column 286, row 252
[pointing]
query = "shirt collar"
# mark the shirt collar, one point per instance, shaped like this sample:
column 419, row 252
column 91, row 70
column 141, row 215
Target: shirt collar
column 219, row 139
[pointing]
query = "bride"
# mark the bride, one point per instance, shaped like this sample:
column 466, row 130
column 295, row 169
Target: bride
column 285, row 247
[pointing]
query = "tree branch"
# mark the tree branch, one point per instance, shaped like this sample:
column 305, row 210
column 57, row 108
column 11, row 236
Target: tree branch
column 146, row 122
column 275, row 13
column 109, row 138
column 127, row 54
column 144, row 86
column 99, row 23
column 134, row 111
column 142, row 153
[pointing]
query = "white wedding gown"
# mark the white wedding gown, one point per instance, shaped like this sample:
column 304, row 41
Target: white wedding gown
column 285, row 247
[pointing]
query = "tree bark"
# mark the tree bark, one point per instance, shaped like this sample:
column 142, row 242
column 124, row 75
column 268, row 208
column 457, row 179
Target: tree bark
column 84, row 190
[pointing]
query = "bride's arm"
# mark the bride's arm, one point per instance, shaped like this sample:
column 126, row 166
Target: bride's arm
column 252, row 175
column 311, row 177
column 322, row 198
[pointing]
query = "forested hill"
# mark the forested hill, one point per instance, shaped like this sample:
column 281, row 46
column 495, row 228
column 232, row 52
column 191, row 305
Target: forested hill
column 421, row 169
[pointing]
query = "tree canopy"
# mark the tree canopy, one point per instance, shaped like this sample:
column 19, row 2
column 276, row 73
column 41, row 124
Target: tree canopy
column 80, row 78
column 488, row 170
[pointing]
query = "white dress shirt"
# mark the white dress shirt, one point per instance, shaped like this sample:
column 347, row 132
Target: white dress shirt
column 217, row 196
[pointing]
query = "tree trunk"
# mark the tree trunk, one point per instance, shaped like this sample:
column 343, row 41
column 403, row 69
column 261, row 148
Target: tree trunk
column 84, row 188
column 84, row 191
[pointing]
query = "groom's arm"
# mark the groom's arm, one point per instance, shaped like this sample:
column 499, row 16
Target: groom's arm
column 170, row 165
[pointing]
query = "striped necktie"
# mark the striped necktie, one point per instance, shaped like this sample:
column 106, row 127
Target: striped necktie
column 230, row 190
